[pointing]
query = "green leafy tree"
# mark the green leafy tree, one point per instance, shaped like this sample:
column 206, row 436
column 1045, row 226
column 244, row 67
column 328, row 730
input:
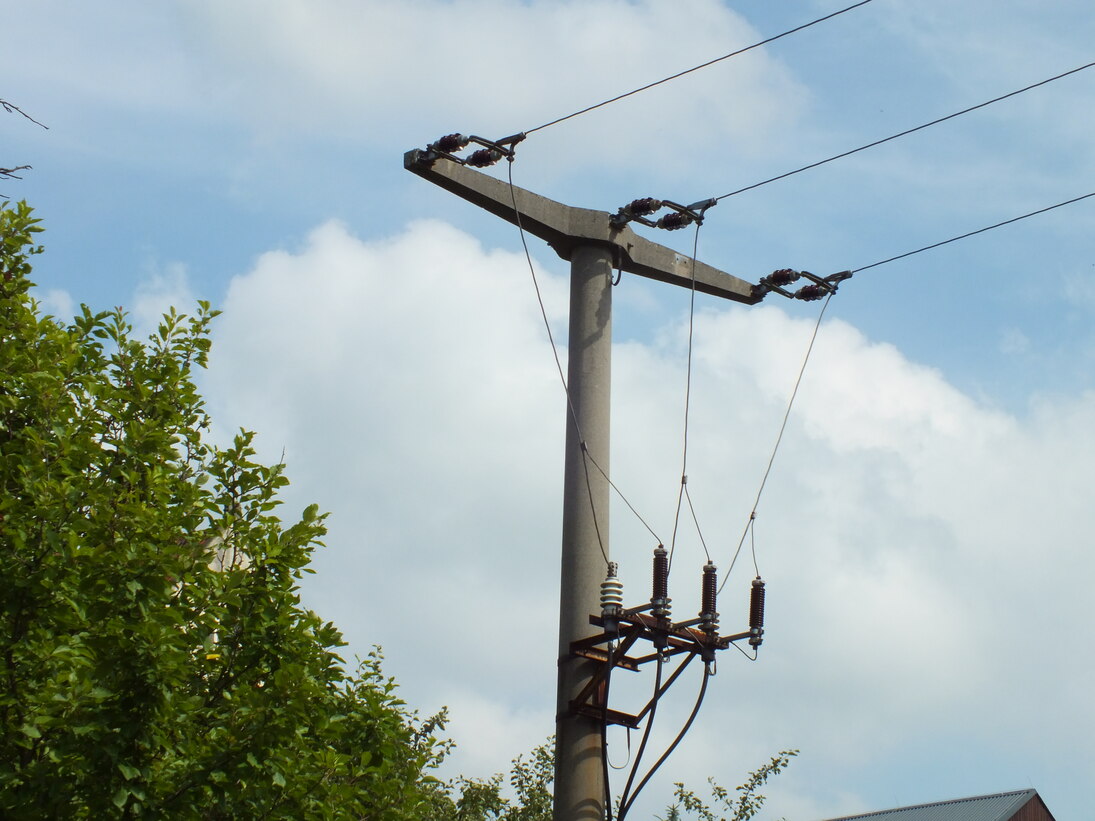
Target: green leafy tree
column 155, row 659
column 744, row 803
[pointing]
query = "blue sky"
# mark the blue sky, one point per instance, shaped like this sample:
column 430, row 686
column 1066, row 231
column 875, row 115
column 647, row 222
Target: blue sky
column 926, row 533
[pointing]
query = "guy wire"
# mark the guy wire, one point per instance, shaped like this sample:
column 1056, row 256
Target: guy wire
column 697, row 68
column 775, row 449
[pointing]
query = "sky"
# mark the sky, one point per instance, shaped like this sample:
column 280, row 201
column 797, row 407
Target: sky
column 926, row 531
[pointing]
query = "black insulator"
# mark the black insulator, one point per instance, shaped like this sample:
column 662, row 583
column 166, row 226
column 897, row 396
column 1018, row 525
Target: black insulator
column 450, row 143
column 708, row 593
column 756, row 611
column 661, row 574
column 671, row 222
column 784, row 276
column 809, row 293
column 642, row 207
column 483, row 157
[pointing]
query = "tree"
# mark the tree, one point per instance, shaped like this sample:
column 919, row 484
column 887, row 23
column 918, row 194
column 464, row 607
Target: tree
column 10, row 173
column 155, row 659
column 745, row 805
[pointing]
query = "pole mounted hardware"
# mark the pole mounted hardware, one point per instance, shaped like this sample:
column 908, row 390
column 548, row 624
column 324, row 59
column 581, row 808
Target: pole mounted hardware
column 822, row 286
column 623, row 628
column 565, row 228
column 596, row 244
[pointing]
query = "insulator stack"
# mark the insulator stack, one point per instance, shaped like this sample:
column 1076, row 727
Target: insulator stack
column 450, row 143
column 642, row 207
column 781, row 278
column 709, row 617
column 756, row 612
column 660, row 596
column 483, row 157
column 612, row 593
column 809, row 293
column 671, row 222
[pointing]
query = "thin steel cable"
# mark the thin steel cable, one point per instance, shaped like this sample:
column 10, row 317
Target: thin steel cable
column 972, row 233
column 696, row 68
column 586, row 456
column 707, row 674
column 687, row 405
column 903, row 133
column 779, row 439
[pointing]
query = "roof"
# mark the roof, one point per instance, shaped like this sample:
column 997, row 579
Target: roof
column 997, row 807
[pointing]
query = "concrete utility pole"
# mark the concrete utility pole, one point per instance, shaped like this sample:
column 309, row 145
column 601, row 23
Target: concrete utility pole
column 594, row 244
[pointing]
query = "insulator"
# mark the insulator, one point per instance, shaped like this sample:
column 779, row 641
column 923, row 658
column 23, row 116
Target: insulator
column 612, row 592
column 642, row 207
column 708, row 592
column 809, row 293
column 782, row 277
column 483, row 157
column 756, row 612
column 671, row 222
column 660, row 596
column 450, row 143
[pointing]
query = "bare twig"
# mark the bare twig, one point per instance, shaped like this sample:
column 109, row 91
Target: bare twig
column 14, row 109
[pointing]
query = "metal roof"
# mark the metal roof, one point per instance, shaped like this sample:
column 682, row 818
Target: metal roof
column 998, row 807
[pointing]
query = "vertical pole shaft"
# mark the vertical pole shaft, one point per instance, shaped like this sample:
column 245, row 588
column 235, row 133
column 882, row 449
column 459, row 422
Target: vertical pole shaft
column 579, row 775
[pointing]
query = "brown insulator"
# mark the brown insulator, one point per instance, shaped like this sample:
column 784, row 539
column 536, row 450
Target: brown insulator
column 782, row 277
column 756, row 612
column 708, row 593
column 483, row 157
column 659, row 598
column 671, row 222
column 642, row 207
column 450, row 143
column 809, row 293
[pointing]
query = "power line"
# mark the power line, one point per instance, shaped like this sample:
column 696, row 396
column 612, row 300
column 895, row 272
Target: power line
column 697, row 68
column 972, row 233
column 905, row 132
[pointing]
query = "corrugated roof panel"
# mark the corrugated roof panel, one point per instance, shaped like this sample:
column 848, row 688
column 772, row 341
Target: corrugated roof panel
column 998, row 807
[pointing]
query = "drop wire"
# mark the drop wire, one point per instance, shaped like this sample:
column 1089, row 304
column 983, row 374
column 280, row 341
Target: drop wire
column 775, row 448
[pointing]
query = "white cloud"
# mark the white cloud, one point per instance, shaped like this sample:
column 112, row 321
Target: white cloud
column 919, row 547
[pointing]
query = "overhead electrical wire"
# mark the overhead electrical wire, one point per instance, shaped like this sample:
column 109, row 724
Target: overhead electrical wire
column 679, row 74
column 904, row 133
column 973, row 233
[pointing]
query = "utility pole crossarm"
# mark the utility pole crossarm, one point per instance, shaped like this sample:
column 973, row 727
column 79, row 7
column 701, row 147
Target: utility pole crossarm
column 564, row 228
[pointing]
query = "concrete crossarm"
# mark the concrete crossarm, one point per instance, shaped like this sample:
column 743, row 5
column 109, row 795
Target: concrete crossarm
column 564, row 228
